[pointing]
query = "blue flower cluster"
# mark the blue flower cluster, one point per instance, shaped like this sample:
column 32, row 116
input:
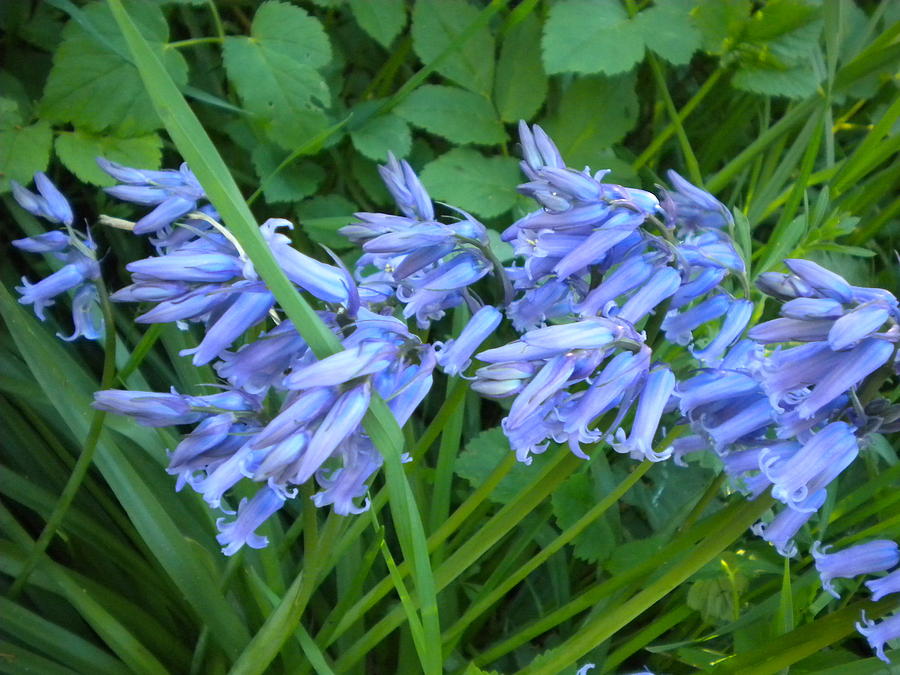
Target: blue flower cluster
column 76, row 250
column 605, row 279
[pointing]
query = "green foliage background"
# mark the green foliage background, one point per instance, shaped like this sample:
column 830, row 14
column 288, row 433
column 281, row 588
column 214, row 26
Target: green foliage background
column 786, row 109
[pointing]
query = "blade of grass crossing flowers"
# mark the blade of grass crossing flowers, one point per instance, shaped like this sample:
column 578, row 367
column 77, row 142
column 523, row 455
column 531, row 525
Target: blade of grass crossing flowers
column 200, row 153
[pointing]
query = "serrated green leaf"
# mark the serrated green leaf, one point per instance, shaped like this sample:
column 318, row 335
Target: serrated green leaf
column 293, row 183
column 583, row 36
column 482, row 455
column 780, row 45
column 274, row 72
column 456, row 114
column 594, row 113
column 436, row 26
column 93, row 86
column 486, row 186
column 383, row 20
column 24, row 150
column 668, row 29
column 79, row 150
column 520, row 86
column 713, row 598
column 571, row 501
column 798, row 82
column 381, row 135
column 721, row 23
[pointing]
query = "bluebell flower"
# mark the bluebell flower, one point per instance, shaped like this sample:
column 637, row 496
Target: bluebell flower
column 326, row 282
column 653, row 399
column 678, row 326
column 739, row 313
column 877, row 633
column 780, row 532
column 43, row 294
column 262, row 363
column 55, row 241
column 693, row 208
column 249, row 308
column 825, row 282
column 174, row 193
column 156, row 409
column 77, row 251
column 343, row 486
column 235, row 534
column 86, row 314
column 821, row 459
column 455, row 355
column 406, row 189
column 873, row 556
column 884, row 586
column 49, row 204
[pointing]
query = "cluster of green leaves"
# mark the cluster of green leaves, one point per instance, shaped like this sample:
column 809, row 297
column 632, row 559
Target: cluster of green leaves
column 787, row 109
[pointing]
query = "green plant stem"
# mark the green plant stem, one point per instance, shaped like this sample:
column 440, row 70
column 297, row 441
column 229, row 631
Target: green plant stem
column 191, row 42
column 690, row 158
column 660, row 139
column 85, row 458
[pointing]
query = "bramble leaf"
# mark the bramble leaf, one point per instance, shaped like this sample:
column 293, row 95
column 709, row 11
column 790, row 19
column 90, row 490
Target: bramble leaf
column 93, row 84
column 486, row 186
column 382, row 134
column 571, row 501
column 291, row 184
column 583, row 36
column 594, row 113
column 24, row 150
column 437, row 25
column 79, row 150
column 456, row 114
column 382, row 20
column 482, row 455
column 669, row 30
column 520, row 86
column 274, row 72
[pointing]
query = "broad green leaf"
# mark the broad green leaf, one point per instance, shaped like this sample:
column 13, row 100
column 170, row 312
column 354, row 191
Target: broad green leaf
column 456, row 114
column 713, row 597
column 779, row 47
column 93, row 86
column 381, row 135
column 482, row 455
column 594, row 113
column 24, row 150
column 275, row 71
column 520, row 85
column 79, row 150
column 486, row 186
column 293, row 183
column 436, row 26
column 721, row 23
column 583, row 36
column 668, row 29
column 797, row 82
column 570, row 502
column 383, row 20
